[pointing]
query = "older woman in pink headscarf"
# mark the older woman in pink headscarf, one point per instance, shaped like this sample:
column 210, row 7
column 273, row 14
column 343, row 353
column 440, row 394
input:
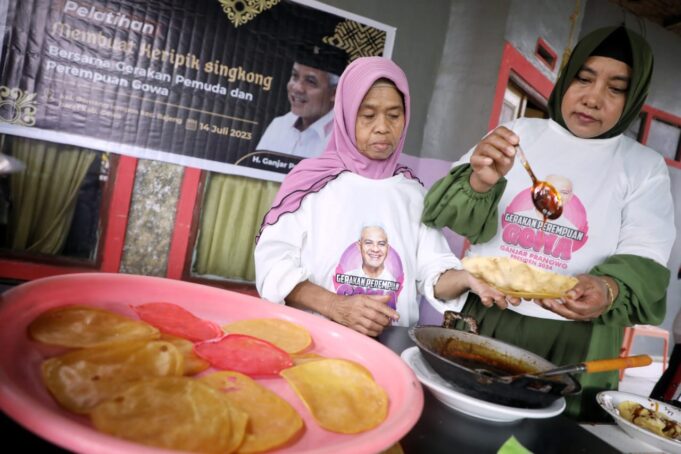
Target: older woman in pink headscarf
column 343, row 237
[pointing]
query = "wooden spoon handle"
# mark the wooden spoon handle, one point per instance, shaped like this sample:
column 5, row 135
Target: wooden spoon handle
column 603, row 365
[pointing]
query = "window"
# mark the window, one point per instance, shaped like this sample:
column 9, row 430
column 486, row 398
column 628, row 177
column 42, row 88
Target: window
column 661, row 131
column 665, row 138
column 50, row 210
column 520, row 100
column 634, row 130
column 546, row 54
column 231, row 212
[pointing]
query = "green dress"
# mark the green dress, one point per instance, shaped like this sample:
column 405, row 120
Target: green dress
column 642, row 295
column 642, row 282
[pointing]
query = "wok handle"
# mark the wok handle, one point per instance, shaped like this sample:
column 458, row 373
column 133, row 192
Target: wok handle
column 600, row 365
column 603, row 365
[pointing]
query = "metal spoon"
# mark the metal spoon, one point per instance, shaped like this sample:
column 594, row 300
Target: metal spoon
column 545, row 196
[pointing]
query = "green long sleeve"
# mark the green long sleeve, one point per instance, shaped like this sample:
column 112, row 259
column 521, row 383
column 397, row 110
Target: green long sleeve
column 643, row 290
column 642, row 300
column 453, row 203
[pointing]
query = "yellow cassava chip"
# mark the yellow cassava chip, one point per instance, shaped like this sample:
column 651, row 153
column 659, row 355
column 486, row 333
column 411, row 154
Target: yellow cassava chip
column 80, row 326
column 192, row 363
column 341, row 396
column 271, row 420
column 300, row 358
column 173, row 413
column 81, row 379
column 515, row 278
column 290, row 337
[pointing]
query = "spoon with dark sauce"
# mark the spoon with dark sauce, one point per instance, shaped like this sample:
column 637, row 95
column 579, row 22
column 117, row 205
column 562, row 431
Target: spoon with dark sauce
column 545, row 196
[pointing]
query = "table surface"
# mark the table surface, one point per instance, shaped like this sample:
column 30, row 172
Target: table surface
column 439, row 429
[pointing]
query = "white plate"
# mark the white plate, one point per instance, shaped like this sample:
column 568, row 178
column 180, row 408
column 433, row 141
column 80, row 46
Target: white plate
column 609, row 400
column 471, row 406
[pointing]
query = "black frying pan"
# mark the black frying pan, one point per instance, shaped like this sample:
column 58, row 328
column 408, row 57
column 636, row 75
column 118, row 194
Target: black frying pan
column 470, row 362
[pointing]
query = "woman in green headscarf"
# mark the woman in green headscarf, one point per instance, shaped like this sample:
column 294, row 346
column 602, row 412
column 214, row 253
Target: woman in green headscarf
column 616, row 230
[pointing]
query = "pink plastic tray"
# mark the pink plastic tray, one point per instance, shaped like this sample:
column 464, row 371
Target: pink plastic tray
column 24, row 398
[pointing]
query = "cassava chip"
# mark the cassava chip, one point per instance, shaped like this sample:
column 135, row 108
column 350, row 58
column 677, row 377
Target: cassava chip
column 192, row 363
column 288, row 336
column 515, row 278
column 81, row 379
column 271, row 420
column 177, row 321
column 80, row 326
column 340, row 395
column 173, row 413
column 245, row 354
column 300, row 358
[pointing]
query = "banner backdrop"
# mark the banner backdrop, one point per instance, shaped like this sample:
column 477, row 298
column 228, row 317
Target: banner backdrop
column 192, row 82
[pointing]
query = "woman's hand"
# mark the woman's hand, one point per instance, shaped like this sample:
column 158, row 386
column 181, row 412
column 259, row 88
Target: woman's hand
column 453, row 283
column 493, row 158
column 585, row 301
column 367, row 314
column 489, row 295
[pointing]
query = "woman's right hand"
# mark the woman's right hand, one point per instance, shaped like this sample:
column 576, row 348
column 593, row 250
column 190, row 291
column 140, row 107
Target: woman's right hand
column 490, row 296
column 367, row 314
column 493, row 158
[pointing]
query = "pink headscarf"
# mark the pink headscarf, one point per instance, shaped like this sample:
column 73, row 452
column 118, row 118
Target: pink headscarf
column 341, row 154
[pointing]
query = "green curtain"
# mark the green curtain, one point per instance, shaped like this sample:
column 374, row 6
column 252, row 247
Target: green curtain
column 44, row 195
column 233, row 208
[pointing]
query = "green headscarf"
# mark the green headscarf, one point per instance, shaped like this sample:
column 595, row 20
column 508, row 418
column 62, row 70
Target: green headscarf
column 641, row 74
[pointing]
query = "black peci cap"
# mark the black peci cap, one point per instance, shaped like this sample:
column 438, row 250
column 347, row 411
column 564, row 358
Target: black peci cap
column 322, row 56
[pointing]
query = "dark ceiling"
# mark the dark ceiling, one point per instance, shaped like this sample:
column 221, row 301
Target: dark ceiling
column 666, row 13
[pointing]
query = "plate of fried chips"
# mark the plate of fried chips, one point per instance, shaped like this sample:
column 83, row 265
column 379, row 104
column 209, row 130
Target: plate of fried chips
column 515, row 278
column 340, row 391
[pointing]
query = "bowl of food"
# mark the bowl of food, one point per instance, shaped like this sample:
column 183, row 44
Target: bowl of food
column 646, row 419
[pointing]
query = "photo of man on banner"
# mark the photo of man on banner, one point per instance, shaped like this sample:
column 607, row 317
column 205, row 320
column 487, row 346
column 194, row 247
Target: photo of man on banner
column 304, row 131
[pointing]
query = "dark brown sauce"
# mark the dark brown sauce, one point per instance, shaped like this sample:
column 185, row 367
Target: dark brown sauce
column 671, row 428
column 476, row 357
column 545, row 196
column 638, row 413
column 547, row 200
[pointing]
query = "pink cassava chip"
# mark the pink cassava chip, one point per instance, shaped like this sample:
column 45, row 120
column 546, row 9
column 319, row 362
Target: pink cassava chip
column 245, row 354
column 177, row 321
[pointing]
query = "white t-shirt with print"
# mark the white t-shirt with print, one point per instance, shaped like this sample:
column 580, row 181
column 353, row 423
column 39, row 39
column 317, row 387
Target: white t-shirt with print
column 309, row 243
column 384, row 276
column 621, row 204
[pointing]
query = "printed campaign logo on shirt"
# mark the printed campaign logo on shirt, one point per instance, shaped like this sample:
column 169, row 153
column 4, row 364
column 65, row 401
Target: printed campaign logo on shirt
column 550, row 244
column 370, row 266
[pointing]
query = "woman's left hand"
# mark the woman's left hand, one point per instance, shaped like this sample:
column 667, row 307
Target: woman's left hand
column 585, row 301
